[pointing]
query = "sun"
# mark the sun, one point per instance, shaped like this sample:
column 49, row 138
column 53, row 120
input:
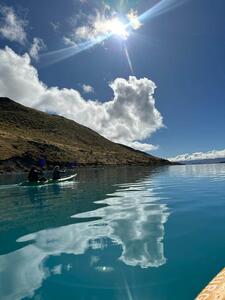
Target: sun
column 116, row 27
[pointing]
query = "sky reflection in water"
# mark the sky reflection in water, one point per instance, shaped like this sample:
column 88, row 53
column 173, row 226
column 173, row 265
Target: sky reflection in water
column 110, row 223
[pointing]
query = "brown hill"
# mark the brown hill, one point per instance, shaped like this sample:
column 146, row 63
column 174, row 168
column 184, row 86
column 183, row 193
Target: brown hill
column 26, row 135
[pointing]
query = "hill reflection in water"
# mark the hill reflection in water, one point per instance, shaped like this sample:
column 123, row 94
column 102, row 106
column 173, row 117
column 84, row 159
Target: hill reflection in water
column 117, row 233
column 131, row 218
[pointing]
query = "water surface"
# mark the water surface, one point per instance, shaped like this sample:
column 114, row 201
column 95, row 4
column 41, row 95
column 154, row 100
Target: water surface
column 115, row 233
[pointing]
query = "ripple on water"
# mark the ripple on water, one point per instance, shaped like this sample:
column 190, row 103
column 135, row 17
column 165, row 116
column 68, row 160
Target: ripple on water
column 116, row 229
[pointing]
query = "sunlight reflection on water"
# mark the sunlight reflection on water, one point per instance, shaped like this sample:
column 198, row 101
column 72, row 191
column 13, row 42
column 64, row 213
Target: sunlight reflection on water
column 110, row 222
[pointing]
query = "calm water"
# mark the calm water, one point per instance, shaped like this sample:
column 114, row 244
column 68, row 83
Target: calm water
column 123, row 233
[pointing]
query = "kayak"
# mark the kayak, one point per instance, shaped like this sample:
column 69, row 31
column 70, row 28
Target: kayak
column 48, row 181
column 215, row 289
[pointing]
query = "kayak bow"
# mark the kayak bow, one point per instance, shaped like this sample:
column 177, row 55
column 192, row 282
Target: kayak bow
column 48, row 181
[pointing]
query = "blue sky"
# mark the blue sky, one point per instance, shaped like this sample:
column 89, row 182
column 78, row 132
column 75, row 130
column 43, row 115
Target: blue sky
column 179, row 48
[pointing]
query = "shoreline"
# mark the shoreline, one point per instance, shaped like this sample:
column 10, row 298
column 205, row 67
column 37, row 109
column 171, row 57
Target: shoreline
column 70, row 170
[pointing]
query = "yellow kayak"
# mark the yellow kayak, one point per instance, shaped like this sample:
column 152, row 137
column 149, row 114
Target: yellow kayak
column 215, row 290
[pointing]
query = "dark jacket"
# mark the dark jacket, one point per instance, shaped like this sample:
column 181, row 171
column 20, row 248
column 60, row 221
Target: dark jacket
column 57, row 174
column 34, row 175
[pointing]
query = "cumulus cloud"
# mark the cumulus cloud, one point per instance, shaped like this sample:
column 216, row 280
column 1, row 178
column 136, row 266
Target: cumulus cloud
column 37, row 45
column 87, row 89
column 142, row 146
column 200, row 155
column 128, row 118
column 11, row 26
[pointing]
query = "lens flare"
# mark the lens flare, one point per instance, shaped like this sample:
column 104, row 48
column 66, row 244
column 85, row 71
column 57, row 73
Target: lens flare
column 106, row 28
column 116, row 27
column 162, row 7
column 128, row 59
column 135, row 23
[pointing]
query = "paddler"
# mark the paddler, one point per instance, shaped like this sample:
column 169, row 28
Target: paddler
column 57, row 173
column 34, row 175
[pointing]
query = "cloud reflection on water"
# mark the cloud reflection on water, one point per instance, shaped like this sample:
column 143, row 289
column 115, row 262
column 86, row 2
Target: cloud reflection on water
column 132, row 219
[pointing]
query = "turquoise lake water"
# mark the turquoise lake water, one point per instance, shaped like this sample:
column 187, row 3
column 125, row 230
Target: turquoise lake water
column 114, row 233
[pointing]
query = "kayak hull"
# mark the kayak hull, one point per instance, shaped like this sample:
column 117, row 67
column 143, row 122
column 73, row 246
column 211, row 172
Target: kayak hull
column 49, row 181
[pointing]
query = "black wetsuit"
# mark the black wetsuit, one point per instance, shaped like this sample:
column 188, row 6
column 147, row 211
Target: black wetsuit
column 57, row 174
column 33, row 175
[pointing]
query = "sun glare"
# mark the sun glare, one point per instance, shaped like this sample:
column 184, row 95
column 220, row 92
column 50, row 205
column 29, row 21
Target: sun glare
column 116, row 27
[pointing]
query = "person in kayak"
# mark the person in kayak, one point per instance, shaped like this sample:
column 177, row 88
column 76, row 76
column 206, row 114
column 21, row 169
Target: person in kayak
column 34, row 175
column 57, row 173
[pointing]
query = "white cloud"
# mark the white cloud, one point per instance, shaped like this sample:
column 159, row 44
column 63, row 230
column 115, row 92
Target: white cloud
column 87, row 89
column 88, row 26
column 104, row 22
column 200, row 155
column 37, row 45
column 11, row 26
column 99, row 26
column 130, row 117
column 95, row 26
column 142, row 146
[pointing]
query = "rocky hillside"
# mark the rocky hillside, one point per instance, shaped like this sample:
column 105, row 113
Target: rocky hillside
column 28, row 135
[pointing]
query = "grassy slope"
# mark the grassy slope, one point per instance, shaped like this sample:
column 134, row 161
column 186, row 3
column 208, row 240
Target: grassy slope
column 27, row 134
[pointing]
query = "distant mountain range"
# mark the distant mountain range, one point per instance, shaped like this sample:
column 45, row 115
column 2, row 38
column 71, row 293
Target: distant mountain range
column 204, row 161
column 28, row 136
